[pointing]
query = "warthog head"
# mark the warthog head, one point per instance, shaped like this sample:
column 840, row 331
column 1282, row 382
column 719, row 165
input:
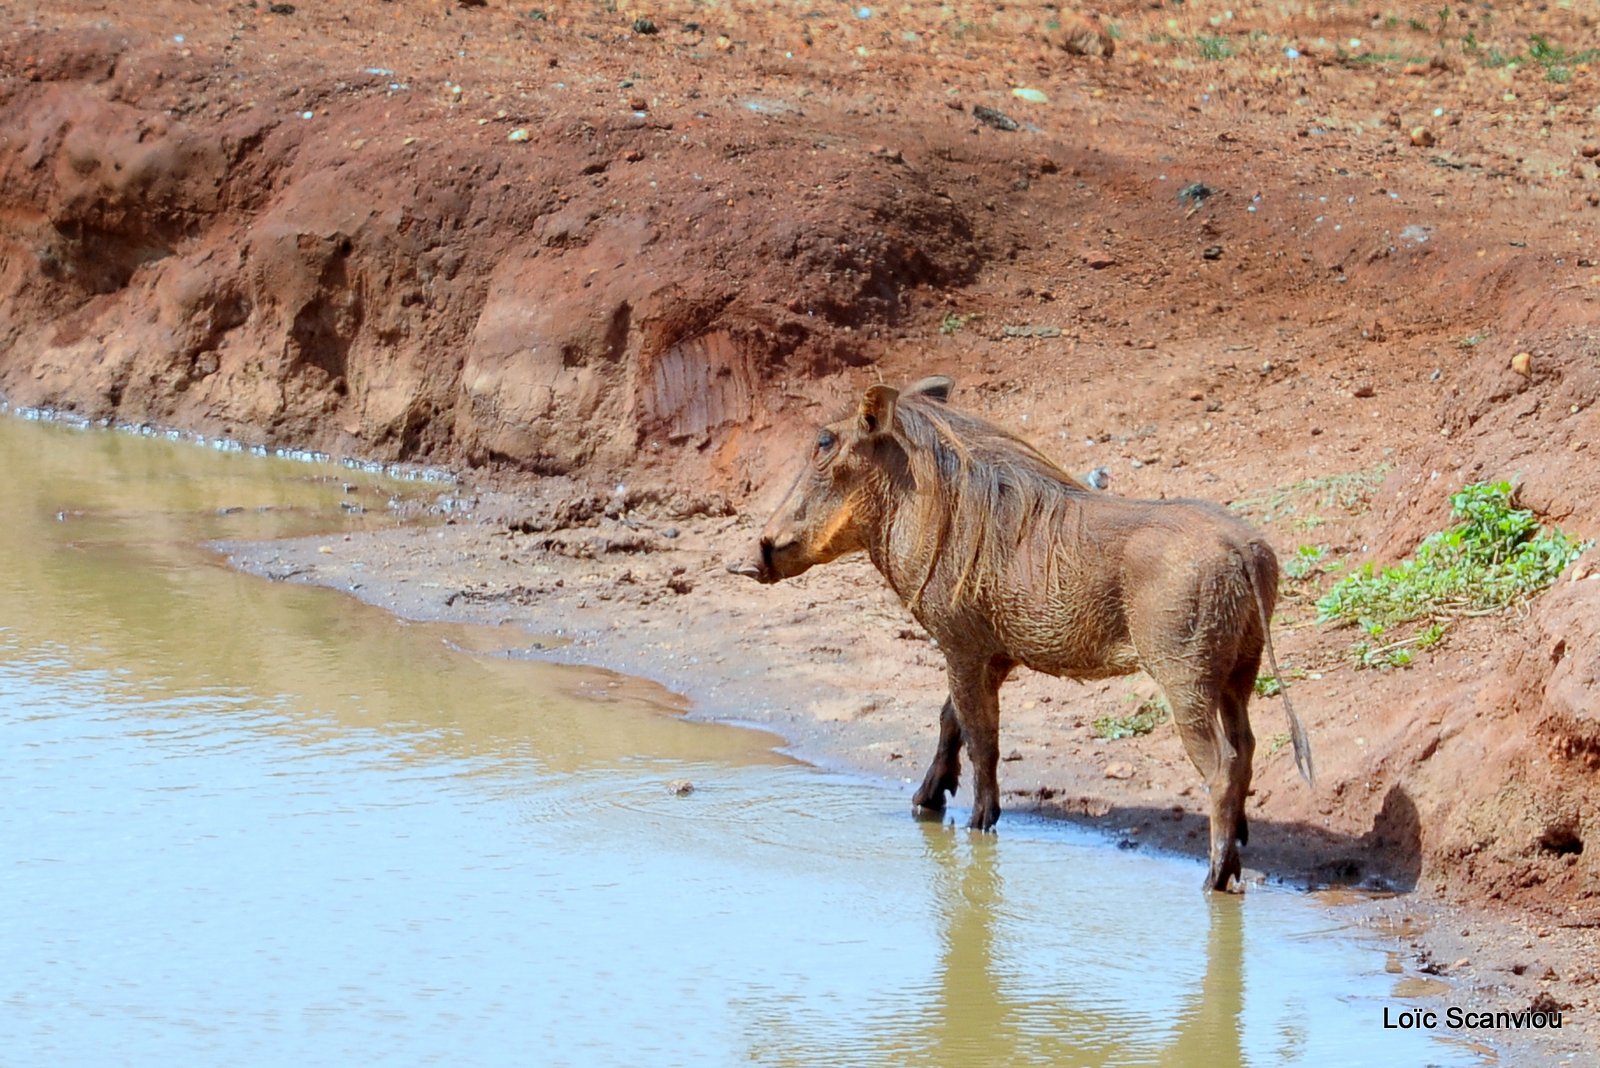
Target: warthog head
column 832, row 501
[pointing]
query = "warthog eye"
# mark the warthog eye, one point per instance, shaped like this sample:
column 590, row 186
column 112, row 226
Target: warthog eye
column 825, row 441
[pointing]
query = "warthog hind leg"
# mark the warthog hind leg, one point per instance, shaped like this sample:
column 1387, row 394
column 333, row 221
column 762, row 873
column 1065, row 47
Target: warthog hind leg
column 944, row 773
column 1236, row 729
column 1195, row 712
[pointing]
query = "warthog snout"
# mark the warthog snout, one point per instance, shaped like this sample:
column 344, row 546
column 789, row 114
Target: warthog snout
column 757, row 563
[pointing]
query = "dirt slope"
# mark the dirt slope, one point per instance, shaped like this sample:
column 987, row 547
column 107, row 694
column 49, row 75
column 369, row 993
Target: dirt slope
column 1278, row 254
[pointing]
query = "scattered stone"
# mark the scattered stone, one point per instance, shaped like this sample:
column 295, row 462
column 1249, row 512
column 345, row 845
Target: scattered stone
column 638, row 103
column 1212, row 252
column 281, row 9
column 1543, row 1001
column 1030, row 331
column 633, row 155
column 998, row 119
column 680, row 787
column 1522, row 363
column 1032, row 96
column 1589, row 151
column 1422, row 137
column 1119, row 769
column 1098, row 261
column 1364, row 390
column 724, row 44
column 1194, row 194
column 645, row 27
column 1013, row 756
column 518, row 135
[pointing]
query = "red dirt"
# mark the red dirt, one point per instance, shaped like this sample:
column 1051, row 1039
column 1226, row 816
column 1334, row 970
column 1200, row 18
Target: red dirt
column 324, row 229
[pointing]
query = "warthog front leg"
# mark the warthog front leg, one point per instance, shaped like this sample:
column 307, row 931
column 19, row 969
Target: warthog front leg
column 944, row 773
column 975, row 694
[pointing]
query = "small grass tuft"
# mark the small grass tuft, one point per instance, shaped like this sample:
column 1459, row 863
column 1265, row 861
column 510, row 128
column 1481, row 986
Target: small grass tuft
column 1151, row 713
column 1307, row 560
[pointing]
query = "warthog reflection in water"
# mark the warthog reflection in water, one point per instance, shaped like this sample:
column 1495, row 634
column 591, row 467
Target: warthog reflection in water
column 1006, row 559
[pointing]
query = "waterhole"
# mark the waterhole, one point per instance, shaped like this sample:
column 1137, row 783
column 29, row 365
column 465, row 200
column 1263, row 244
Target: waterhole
column 256, row 823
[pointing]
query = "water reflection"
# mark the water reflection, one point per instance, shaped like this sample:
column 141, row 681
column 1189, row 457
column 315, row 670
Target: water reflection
column 976, row 1006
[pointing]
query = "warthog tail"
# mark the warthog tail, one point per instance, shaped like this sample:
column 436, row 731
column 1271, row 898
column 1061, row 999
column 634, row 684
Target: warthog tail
column 1297, row 730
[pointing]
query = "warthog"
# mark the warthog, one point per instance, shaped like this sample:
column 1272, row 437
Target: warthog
column 1006, row 559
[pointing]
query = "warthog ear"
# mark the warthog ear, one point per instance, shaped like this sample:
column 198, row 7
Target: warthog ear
column 877, row 409
column 936, row 386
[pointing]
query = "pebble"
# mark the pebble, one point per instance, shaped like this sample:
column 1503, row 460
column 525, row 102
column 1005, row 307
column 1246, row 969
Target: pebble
column 680, row 787
column 997, row 119
column 519, row 135
column 1119, row 769
column 1590, row 151
column 1522, row 363
column 1421, row 136
column 645, row 27
column 1364, row 390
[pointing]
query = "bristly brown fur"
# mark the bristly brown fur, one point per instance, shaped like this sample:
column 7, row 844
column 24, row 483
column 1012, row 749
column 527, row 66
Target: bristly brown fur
column 972, row 476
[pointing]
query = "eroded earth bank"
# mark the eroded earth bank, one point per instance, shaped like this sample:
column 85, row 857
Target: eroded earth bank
column 1325, row 263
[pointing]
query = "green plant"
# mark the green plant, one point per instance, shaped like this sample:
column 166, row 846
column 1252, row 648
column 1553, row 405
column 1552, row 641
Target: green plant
column 1151, row 713
column 953, row 322
column 1213, row 48
column 1497, row 555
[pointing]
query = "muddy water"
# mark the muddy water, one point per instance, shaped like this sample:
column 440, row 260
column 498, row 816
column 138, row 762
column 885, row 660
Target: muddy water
column 247, row 822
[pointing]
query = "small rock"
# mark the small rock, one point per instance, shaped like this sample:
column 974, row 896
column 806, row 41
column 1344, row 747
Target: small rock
column 1119, row 769
column 518, row 135
column 724, row 44
column 1213, row 252
column 1522, row 363
column 680, row 787
column 633, row 155
column 1422, row 137
column 1079, row 36
column 1589, row 151
column 1012, row 756
column 281, row 9
column 1462, row 963
column 1364, row 390
column 997, row 119
column 645, row 27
